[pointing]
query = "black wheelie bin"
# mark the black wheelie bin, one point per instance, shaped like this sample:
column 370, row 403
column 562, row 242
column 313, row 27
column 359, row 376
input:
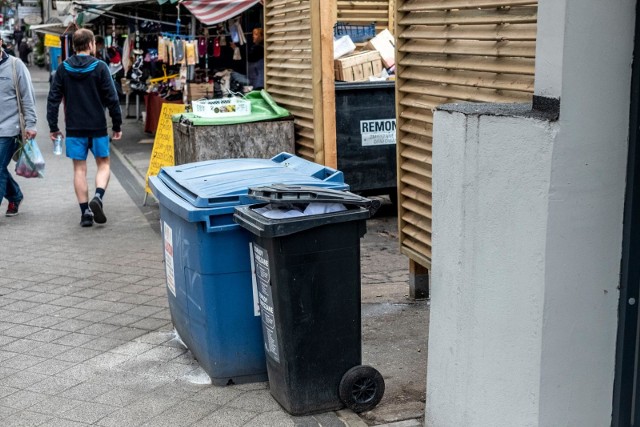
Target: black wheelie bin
column 307, row 272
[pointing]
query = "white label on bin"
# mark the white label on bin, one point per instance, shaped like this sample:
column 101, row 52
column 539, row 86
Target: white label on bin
column 256, row 300
column 378, row 132
column 168, row 258
column 267, row 312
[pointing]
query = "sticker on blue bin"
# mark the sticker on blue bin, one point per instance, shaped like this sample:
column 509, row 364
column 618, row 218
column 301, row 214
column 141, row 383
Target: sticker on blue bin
column 262, row 274
column 168, row 258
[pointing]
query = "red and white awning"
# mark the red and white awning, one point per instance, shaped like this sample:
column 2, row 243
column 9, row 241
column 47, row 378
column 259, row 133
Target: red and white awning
column 211, row 12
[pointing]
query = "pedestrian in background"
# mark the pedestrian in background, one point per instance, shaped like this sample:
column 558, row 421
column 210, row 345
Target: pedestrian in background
column 18, row 34
column 100, row 48
column 10, row 122
column 85, row 85
column 256, row 59
column 24, row 49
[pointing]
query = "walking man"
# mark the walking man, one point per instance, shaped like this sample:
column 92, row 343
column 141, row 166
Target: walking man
column 10, row 122
column 85, row 86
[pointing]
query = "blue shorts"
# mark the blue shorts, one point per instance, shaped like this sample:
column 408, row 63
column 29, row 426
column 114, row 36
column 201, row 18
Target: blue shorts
column 78, row 147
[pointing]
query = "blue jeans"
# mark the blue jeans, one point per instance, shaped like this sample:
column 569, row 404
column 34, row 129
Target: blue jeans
column 9, row 188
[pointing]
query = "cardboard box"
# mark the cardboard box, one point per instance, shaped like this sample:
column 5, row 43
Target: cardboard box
column 358, row 66
column 197, row 91
column 385, row 44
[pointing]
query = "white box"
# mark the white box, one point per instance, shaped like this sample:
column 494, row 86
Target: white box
column 222, row 107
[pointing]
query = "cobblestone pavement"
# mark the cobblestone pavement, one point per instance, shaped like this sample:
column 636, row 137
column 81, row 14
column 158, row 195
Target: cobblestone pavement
column 85, row 332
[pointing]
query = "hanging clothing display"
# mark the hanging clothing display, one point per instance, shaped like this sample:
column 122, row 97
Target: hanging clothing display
column 178, row 48
column 216, row 47
column 202, row 47
column 235, row 28
column 126, row 52
column 162, row 49
column 190, row 52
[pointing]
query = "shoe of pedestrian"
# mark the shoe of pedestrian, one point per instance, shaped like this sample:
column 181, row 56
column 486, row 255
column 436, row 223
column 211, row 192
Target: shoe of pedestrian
column 98, row 213
column 12, row 210
column 87, row 218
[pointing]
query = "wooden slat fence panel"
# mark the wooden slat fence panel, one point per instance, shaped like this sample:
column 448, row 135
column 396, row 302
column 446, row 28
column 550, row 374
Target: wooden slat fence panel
column 288, row 66
column 451, row 51
column 363, row 12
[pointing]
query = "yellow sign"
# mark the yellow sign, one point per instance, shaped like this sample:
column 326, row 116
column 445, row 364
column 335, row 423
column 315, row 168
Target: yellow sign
column 52, row 41
column 162, row 153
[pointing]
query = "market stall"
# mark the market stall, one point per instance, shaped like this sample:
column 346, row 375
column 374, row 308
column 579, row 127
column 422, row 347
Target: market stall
column 168, row 51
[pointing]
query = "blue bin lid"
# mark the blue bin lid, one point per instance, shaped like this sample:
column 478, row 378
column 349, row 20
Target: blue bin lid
column 218, row 183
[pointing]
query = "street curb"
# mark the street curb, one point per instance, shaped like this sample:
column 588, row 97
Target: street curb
column 350, row 418
column 126, row 163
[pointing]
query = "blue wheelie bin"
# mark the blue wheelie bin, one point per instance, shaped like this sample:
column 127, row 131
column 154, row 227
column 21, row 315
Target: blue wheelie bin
column 212, row 298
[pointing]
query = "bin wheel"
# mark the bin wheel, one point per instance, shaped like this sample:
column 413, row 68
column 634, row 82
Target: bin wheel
column 393, row 197
column 361, row 388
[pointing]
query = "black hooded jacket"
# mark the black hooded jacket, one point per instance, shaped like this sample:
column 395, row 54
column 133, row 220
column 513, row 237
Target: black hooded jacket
column 84, row 84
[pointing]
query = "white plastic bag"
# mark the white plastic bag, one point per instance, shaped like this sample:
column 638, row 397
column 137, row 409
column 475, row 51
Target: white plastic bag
column 31, row 162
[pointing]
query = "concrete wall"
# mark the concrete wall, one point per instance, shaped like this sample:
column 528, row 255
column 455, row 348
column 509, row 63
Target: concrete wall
column 550, row 47
column 490, row 202
column 584, row 235
column 527, row 236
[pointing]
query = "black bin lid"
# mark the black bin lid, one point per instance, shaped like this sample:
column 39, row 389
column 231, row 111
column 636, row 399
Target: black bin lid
column 361, row 209
column 285, row 194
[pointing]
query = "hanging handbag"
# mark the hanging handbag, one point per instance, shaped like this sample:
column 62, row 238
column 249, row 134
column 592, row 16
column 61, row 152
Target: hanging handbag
column 20, row 138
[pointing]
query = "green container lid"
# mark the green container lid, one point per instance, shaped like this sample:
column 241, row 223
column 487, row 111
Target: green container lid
column 263, row 108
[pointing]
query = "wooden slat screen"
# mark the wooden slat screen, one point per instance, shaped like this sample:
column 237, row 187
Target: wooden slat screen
column 363, row 12
column 451, row 51
column 288, row 65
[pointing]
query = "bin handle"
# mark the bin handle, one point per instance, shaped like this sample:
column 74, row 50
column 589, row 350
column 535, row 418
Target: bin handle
column 337, row 176
column 221, row 228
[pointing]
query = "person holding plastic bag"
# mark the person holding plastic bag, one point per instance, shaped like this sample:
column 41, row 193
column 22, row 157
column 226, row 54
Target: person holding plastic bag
column 85, row 85
column 15, row 89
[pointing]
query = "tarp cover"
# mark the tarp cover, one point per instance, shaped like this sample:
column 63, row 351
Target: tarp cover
column 263, row 108
column 211, row 12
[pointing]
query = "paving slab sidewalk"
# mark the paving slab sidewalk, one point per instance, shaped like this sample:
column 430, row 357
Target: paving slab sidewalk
column 86, row 335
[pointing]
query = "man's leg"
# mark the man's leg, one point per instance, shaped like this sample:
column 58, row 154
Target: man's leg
column 9, row 188
column 80, row 180
column 102, row 181
column 82, row 191
column 104, row 172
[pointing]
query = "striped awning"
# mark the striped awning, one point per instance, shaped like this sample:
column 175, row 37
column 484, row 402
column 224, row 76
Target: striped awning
column 211, row 12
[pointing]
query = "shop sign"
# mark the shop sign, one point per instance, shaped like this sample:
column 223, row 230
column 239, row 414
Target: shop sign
column 24, row 11
column 52, row 41
column 32, row 19
column 162, row 153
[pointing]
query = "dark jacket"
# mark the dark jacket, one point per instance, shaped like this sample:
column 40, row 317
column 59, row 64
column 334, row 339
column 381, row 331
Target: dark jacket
column 85, row 85
column 24, row 49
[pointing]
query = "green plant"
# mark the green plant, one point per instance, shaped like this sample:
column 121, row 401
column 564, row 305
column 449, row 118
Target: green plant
column 40, row 45
column 38, row 54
